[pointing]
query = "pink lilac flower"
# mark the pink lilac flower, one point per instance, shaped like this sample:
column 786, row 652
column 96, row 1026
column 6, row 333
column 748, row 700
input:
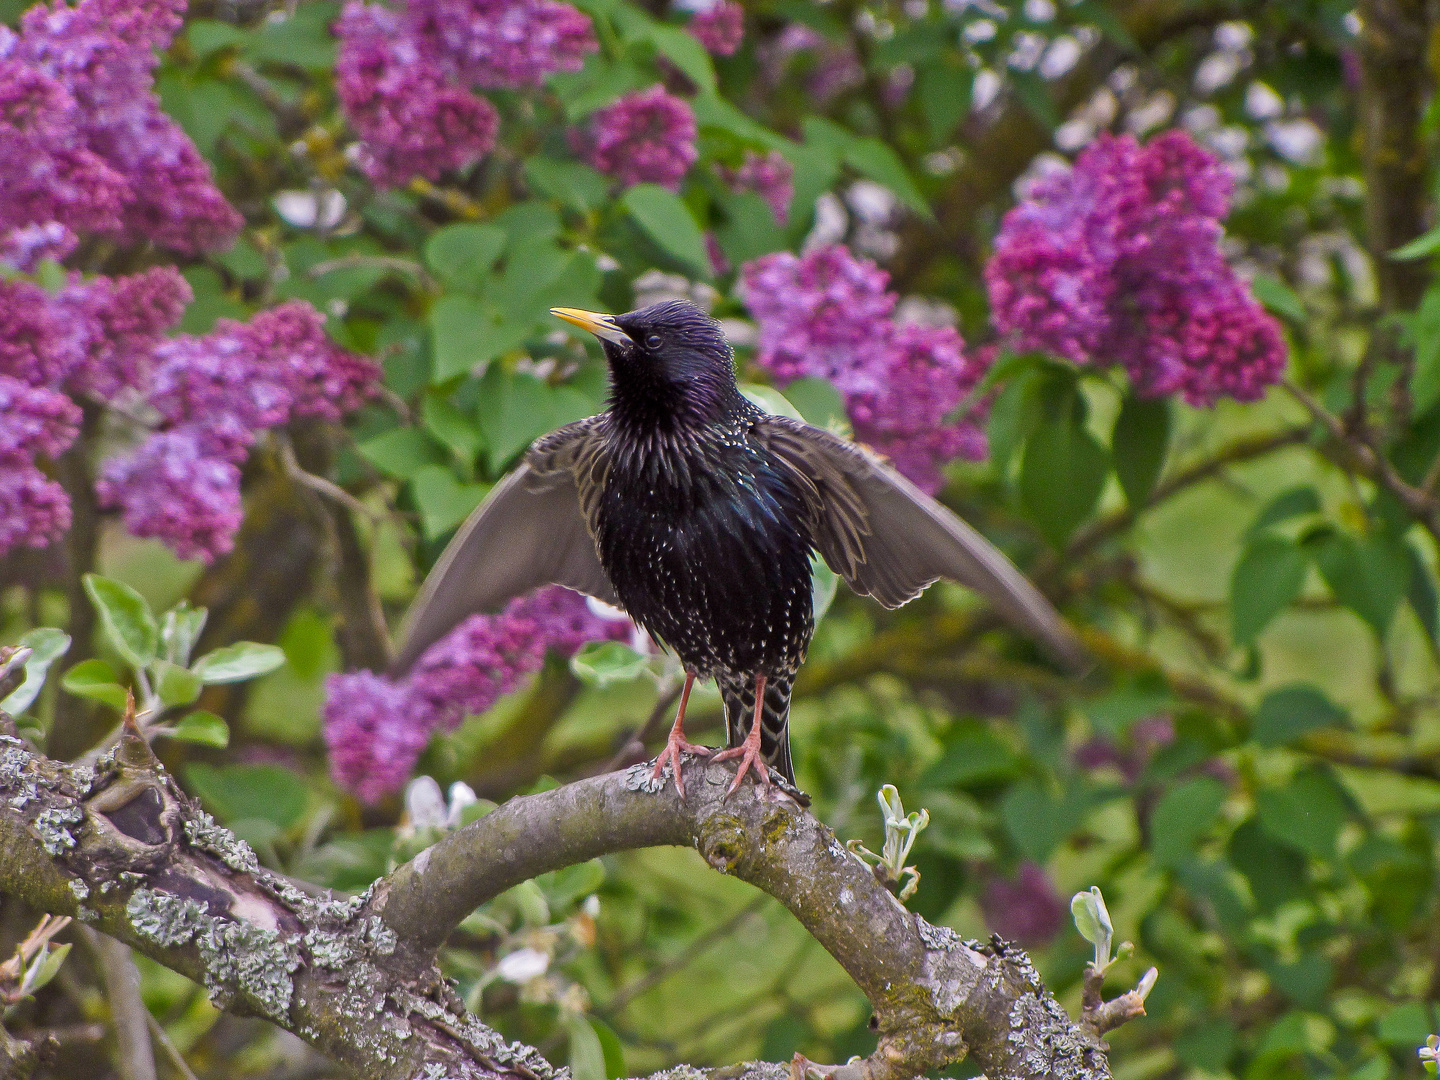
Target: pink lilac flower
column 829, row 314
column 1025, row 908
column 372, row 732
column 720, row 27
column 1117, row 260
column 23, row 248
column 504, row 43
column 114, row 326
column 926, row 375
column 33, row 345
column 34, row 420
column 34, row 510
column 376, row 728
column 172, row 490
column 103, row 53
column 643, row 137
column 770, row 176
column 413, row 120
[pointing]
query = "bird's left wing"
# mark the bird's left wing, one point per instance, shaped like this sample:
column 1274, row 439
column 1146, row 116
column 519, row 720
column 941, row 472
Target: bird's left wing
column 890, row 540
column 529, row 531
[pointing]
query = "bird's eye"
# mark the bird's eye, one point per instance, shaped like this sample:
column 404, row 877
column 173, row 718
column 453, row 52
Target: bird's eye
column 653, row 341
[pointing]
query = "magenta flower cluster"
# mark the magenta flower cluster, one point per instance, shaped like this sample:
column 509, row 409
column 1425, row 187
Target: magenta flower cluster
column 644, row 137
column 719, row 26
column 89, row 340
column 1118, row 260
column 213, row 394
column 405, row 76
column 84, row 144
column 1026, row 908
column 829, row 314
column 376, row 728
column 768, row 175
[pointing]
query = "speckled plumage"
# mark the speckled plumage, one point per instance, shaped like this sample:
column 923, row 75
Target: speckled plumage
column 698, row 513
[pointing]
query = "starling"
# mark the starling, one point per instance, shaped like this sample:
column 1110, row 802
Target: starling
column 697, row 512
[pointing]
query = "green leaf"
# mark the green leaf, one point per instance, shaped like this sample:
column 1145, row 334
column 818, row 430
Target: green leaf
column 95, row 680
column 47, row 645
column 1182, row 817
column 174, row 684
column 180, row 629
column 128, row 621
column 402, row 452
column 1209, row 1046
column 1424, row 333
column 587, row 1055
column 974, row 757
column 1306, row 813
column 944, row 92
column 824, row 583
column 238, row 792
column 1279, row 298
column 614, row 1050
column 238, row 662
column 1114, row 713
column 204, row 728
column 46, row 969
column 1036, row 820
column 1422, row 595
column 1291, row 503
column 1276, row 873
column 462, row 255
column 570, row 182
column 467, row 334
column 303, row 39
column 684, row 51
column 875, row 159
column 1092, row 919
column 209, row 35
column 1369, row 576
column 444, row 502
column 1269, row 575
column 1061, row 477
column 1428, row 244
column 771, row 400
column 1289, row 712
column 666, row 220
column 818, row 401
column 1139, row 445
column 602, row 663
column 456, row 430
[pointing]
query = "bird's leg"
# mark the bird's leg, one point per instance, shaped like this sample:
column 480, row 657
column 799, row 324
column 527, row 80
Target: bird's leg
column 749, row 751
column 677, row 744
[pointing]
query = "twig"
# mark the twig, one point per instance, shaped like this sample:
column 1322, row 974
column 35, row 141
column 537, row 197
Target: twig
column 172, row 1051
column 128, row 1015
column 374, row 262
column 329, row 489
column 691, row 952
column 645, row 731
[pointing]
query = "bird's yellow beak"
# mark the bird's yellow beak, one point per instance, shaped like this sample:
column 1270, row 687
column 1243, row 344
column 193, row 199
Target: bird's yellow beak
column 601, row 325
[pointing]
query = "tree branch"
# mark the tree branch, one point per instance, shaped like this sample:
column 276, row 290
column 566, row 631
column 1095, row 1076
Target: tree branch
column 121, row 849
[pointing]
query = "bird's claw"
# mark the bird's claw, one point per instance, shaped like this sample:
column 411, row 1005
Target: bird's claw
column 674, row 747
column 749, row 755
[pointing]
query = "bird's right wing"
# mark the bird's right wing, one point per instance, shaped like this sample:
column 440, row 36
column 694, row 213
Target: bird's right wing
column 890, row 540
column 529, row 531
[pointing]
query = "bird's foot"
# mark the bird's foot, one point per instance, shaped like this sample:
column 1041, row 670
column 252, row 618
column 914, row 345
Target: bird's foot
column 749, row 754
column 676, row 745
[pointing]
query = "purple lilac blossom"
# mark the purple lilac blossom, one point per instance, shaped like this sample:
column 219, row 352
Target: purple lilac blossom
column 215, row 392
column 1025, row 908
column 1117, row 260
column 114, row 325
column 25, row 247
column 414, row 122
column 644, row 137
column 172, row 490
column 504, row 43
column 720, row 27
column 34, row 420
column 372, row 732
column 34, row 510
column 829, row 314
column 32, row 341
column 768, row 175
column 376, row 728
column 102, row 52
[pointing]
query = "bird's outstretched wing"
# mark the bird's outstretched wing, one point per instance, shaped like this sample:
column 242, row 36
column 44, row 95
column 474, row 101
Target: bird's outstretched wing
column 529, row 531
column 890, row 540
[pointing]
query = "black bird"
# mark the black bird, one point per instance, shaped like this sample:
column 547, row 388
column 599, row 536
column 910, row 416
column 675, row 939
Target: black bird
column 697, row 513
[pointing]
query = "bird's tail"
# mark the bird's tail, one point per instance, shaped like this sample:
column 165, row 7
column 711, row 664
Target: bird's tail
column 739, row 697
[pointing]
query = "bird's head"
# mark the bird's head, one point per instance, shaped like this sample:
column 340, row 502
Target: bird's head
column 668, row 361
